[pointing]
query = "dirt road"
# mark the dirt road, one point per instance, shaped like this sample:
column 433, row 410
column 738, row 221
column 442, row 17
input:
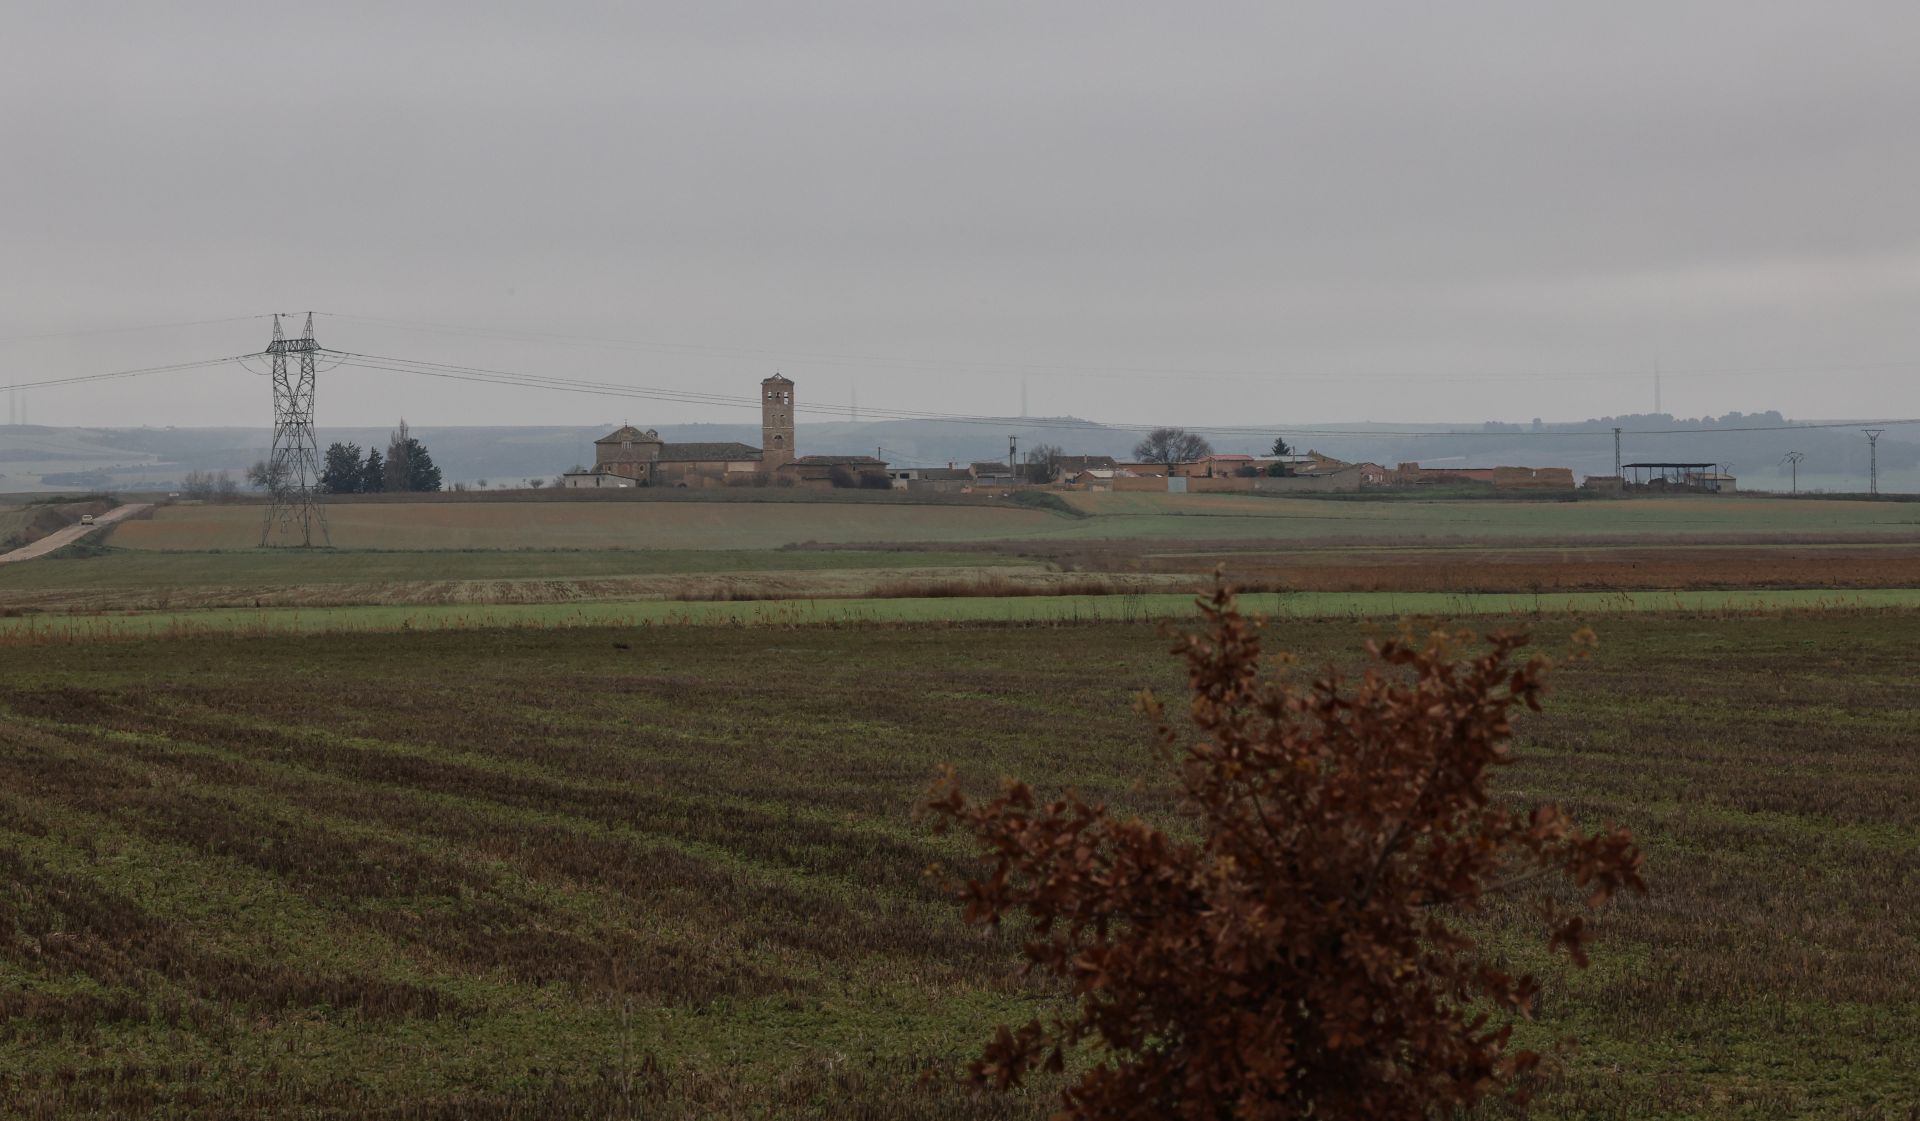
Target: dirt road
column 61, row 538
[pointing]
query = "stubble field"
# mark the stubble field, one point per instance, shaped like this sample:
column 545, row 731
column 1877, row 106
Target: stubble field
column 777, row 520
column 593, row 525
column 676, row 872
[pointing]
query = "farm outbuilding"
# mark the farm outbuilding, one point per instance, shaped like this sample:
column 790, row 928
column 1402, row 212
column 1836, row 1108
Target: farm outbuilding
column 1710, row 478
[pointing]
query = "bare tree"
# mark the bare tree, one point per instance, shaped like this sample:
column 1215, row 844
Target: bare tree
column 399, row 465
column 270, row 477
column 1172, row 445
column 1042, row 463
column 198, row 484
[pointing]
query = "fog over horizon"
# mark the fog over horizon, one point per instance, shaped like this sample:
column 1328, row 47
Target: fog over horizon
column 1198, row 214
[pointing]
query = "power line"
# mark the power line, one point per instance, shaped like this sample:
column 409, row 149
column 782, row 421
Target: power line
column 458, row 372
column 900, row 362
column 144, row 370
column 121, row 330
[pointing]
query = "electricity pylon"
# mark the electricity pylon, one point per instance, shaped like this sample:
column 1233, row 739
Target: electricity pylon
column 1794, row 458
column 293, row 470
column 1873, row 459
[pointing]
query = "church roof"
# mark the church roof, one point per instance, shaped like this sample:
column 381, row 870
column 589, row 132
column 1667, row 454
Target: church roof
column 778, row 377
column 625, row 433
column 701, row 453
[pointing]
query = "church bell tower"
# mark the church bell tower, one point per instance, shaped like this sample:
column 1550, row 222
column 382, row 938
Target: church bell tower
column 776, row 422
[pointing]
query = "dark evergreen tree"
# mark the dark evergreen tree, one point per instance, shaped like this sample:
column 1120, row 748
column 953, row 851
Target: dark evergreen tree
column 341, row 475
column 373, row 474
column 422, row 475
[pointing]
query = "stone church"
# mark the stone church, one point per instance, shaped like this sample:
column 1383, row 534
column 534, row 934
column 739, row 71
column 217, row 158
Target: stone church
column 628, row 456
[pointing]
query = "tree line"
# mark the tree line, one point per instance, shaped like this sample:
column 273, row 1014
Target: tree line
column 406, row 466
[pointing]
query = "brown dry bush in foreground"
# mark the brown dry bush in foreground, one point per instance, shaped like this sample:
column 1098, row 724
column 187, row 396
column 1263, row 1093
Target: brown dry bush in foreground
column 1302, row 957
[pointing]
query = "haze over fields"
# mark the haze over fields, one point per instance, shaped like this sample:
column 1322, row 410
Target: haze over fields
column 39, row 458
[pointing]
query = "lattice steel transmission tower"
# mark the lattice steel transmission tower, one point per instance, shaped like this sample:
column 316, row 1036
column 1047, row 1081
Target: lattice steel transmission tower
column 1873, row 459
column 293, row 470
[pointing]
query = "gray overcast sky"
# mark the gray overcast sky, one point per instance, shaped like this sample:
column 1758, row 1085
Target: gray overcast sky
column 1333, row 211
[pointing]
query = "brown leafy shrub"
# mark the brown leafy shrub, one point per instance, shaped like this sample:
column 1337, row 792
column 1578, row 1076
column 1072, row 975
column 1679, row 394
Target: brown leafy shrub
column 1303, row 956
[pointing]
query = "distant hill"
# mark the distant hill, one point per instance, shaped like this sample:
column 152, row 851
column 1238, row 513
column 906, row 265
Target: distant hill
column 40, row 458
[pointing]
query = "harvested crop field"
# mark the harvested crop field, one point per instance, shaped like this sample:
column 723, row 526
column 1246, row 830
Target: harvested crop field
column 1581, row 567
column 736, row 523
column 594, row 525
column 616, row 873
column 95, row 580
column 1227, row 516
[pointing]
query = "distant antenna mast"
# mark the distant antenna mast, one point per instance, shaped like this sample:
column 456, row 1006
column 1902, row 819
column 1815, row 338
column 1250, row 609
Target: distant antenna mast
column 293, row 469
column 1873, row 459
column 1793, row 460
column 1616, row 453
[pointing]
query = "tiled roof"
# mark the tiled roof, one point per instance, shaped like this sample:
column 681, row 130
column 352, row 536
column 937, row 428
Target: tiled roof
column 846, row 460
column 625, row 433
column 703, row 453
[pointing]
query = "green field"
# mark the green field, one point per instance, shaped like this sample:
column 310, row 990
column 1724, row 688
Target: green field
column 676, row 872
column 972, row 610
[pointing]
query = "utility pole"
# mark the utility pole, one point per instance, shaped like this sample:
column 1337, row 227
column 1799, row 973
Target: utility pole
column 1793, row 459
column 1012, row 467
column 1616, row 452
column 293, row 469
column 1873, row 459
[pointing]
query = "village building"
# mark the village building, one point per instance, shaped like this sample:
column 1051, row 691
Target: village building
column 1067, row 466
column 1502, row 478
column 938, row 480
column 595, row 480
column 838, row 471
column 993, row 473
column 630, row 456
column 1217, row 465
